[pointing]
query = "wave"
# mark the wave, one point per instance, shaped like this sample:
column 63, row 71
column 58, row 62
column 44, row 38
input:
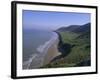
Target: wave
column 36, row 60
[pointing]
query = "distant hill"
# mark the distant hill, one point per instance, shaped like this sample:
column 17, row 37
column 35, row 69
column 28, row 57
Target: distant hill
column 76, row 28
column 68, row 28
column 83, row 28
column 84, row 32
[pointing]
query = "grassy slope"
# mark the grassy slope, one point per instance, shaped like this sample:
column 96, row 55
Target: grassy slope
column 80, row 51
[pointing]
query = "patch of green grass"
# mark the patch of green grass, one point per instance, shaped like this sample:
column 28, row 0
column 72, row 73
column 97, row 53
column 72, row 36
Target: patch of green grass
column 77, row 54
column 68, row 37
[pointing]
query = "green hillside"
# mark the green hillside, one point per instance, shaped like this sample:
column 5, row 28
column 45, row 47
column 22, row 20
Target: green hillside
column 79, row 52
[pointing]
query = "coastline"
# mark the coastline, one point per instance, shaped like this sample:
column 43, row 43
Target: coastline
column 46, row 52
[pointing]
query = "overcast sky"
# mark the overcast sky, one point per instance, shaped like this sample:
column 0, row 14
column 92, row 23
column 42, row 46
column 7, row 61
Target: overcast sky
column 52, row 20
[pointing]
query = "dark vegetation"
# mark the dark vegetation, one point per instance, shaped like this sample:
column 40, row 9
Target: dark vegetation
column 74, row 46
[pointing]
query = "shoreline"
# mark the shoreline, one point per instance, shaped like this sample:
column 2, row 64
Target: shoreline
column 46, row 53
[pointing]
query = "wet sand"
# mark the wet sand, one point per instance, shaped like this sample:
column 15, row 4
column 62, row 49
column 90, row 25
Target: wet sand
column 52, row 52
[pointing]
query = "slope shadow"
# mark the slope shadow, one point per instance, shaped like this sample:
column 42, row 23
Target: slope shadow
column 84, row 63
column 64, row 48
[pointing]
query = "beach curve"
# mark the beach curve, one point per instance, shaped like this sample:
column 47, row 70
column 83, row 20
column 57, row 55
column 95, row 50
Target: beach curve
column 45, row 53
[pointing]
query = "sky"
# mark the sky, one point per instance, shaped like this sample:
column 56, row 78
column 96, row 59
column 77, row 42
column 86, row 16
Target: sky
column 48, row 20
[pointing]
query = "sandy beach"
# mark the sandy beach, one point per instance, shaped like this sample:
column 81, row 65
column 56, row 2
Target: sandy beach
column 52, row 52
column 46, row 53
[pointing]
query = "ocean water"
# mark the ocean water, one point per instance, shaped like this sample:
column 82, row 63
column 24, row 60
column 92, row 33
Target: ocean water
column 33, row 46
